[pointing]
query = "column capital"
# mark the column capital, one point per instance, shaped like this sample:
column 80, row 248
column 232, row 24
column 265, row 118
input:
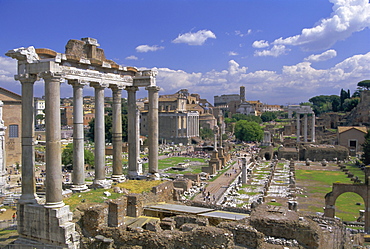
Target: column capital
column 48, row 75
column 77, row 83
column 153, row 88
column 99, row 84
column 115, row 87
column 26, row 78
column 131, row 88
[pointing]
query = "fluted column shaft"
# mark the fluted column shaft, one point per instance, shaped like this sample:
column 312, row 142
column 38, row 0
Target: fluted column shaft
column 298, row 127
column 153, row 128
column 132, row 127
column 54, row 197
column 117, row 131
column 313, row 128
column 78, row 175
column 99, row 134
column 305, row 128
column 28, row 150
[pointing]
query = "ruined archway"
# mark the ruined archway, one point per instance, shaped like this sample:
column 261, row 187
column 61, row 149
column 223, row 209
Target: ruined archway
column 339, row 189
column 267, row 156
column 348, row 206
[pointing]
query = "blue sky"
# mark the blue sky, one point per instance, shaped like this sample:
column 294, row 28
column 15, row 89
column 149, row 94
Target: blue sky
column 282, row 51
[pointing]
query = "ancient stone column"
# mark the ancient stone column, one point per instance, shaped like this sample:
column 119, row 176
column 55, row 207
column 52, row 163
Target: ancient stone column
column 3, row 172
column 298, row 127
column 54, row 177
column 313, row 128
column 78, row 175
column 117, row 133
column 99, row 135
column 244, row 170
column 305, row 128
column 153, row 128
column 132, row 125
column 28, row 150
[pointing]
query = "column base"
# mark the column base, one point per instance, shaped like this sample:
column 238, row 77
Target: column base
column 79, row 188
column 44, row 227
column 106, row 184
column 28, row 199
column 118, row 178
column 58, row 204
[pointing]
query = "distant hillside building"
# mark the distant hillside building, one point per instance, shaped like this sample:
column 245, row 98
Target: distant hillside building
column 12, row 116
column 177, row 123
column 352, row 137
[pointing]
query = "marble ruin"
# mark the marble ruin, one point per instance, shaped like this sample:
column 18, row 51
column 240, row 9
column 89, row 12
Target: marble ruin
column 82, row 64
column 305, row 110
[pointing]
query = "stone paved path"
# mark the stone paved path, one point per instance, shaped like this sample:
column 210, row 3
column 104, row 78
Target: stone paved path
column 220, row 185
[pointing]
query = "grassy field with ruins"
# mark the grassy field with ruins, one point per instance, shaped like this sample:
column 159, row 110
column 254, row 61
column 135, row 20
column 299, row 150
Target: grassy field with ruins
column 317, row 183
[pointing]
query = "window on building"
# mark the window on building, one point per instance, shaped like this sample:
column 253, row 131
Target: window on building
column 13, row 130
column 352, row 143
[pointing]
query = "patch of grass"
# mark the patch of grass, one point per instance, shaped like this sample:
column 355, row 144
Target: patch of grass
column 274, row 204
column 356, row 171
column 98, row 196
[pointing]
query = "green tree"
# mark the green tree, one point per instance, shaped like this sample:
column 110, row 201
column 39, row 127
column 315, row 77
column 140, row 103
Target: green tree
column 366, row 149
column 365, row 84
column 323, row 103
column 351, row 103
column 206, row 133
column 67, row 156
column 108, row 129
column 248, row 131
column 268, row 116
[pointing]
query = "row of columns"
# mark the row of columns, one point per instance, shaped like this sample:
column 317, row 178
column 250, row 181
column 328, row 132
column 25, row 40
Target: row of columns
column 193, row 126
column 53, row 136
column 305, row 129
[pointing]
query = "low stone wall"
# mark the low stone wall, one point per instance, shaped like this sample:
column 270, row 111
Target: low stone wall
column 321, row 152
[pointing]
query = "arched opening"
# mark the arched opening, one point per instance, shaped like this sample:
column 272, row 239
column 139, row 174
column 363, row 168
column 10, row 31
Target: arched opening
column 267, row 156
column 348, row 206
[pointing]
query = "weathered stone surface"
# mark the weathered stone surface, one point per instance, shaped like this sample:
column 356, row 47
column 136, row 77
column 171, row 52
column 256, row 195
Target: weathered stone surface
column 287, row 225
column 182, row 219
column 188, row 227
column 167, row 225
column 244, row 235
column 94, row 218
column 153, row 226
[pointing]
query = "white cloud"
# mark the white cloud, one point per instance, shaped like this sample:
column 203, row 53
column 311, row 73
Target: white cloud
column 327, row 55
column 275, row 51
column 8, row 68
column 239, row 33
column 132, row 57
column 232, row 53
column 198, row 38
column 260, row 44
column 295, row 84
column 147, row 48
column 348, row 16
